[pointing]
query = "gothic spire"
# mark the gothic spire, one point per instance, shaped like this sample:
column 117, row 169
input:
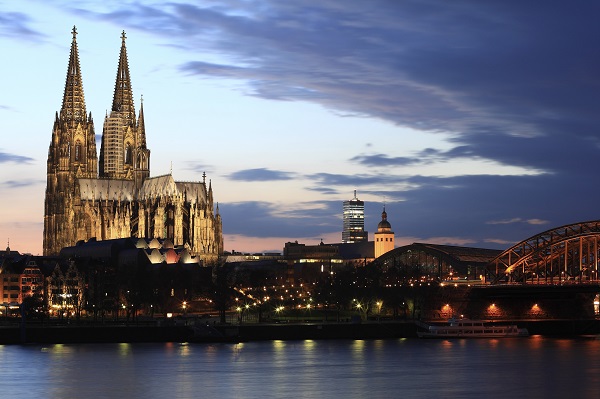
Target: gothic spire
column 141, row 125
column 123, row 97
column 73, row 106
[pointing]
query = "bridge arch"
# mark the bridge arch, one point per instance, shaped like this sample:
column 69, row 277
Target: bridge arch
column 566, row 254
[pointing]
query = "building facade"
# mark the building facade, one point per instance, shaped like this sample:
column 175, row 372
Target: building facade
column 354, row 221
column 112, row 195
column 384, row 237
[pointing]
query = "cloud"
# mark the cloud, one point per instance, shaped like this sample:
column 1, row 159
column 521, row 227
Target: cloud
column 508, row 221
column 423, row 157
column 6, row 157
column 537, row 221
column 511, row 82
column 17, row 25
column 501, row 243
column 199, row 167
column 502, row 77
column 519, row 220
column 264, row 219
column 332, row 179
column 20, row 183
column 260, row 174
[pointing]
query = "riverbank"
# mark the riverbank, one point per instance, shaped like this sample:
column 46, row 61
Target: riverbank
column 397, row 329
column 206, row 332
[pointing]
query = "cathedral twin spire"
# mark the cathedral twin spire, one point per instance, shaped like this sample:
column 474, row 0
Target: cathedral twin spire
column 73, row 106
column 123, row 96
column 79, row 179
column 123, row 152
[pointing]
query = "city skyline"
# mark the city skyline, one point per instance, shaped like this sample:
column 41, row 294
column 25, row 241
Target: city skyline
column 474, row 123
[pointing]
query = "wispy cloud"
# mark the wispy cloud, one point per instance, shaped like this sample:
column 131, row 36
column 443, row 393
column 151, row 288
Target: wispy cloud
column 510, row 82
column 261, row 174
column 6, row 157
column 519, row 220
column 18, row 25
column 483, row 71
column 263, row 219
column 9, row 184
column 199, row 167
column 424, row 157
column 507, row 221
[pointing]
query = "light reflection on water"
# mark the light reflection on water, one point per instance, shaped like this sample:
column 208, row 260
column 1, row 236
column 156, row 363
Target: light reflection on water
column 533, row 367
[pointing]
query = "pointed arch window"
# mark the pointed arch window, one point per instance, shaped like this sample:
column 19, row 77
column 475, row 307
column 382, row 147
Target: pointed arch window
column 77, row 151
column 128, row 155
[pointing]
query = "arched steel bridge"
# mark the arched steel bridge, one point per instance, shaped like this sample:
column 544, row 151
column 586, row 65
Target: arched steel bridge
column 568, row 254
column 563, row 255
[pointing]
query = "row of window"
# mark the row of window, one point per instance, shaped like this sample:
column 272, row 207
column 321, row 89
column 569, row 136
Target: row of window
column 391, row 239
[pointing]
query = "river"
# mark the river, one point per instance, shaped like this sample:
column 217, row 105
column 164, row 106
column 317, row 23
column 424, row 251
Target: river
column 533, row 367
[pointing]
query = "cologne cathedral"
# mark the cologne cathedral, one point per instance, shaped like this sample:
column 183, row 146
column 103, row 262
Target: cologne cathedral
column 112, row 195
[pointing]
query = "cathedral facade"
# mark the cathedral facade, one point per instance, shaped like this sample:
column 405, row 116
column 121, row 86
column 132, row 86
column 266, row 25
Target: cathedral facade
column 111, row 195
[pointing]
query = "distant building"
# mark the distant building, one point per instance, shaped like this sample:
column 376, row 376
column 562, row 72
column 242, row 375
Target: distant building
column 307, row 262
column 21, row 277
column 111, row 195
column 384, row 237
column 354, row 221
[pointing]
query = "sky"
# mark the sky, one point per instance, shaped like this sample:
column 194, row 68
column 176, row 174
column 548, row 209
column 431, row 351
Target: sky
column 474, row 123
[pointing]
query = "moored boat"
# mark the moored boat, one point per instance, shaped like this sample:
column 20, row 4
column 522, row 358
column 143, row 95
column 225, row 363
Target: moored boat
column 466, row 328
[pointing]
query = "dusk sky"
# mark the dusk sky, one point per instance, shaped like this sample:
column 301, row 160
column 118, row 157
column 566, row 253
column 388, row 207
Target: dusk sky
column 476, row 123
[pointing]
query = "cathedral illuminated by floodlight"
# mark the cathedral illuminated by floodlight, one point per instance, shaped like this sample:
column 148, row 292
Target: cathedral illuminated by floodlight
column 112, row 195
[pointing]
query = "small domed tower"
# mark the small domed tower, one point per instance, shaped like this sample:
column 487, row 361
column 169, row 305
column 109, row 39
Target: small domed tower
column 384, row 237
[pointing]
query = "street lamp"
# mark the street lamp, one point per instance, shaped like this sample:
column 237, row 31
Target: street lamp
column 240, row 310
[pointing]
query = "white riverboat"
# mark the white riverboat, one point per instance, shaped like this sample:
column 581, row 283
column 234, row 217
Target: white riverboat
column 466, row 328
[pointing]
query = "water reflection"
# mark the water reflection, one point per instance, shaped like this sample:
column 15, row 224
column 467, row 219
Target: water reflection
column 536, row 367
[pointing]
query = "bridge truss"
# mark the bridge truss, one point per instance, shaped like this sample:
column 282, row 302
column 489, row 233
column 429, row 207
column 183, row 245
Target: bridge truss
column 564, row 255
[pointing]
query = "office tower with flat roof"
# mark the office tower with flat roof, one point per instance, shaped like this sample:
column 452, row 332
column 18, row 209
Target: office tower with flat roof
column 354, row 221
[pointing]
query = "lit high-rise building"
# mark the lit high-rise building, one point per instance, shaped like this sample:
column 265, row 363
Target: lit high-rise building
column 354, row 221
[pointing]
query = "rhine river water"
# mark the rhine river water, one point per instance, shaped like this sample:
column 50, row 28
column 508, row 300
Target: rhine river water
column 533, row 367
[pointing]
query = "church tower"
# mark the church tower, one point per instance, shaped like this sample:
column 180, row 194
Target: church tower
column 384, row 237
column 71, row 155
column 123, row 152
